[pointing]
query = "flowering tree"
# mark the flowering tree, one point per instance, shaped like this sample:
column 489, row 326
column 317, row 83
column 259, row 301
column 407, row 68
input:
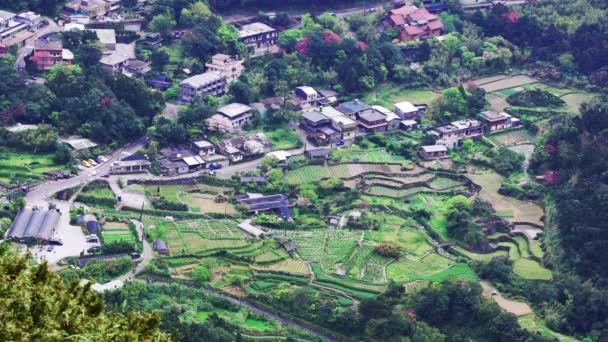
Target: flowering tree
column 219, row 123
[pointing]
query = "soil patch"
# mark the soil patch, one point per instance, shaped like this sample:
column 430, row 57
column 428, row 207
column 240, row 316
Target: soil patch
column 517, row 308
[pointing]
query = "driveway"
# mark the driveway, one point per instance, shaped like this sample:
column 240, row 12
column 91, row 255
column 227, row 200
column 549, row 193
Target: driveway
column 146, row 256
column 516, row 308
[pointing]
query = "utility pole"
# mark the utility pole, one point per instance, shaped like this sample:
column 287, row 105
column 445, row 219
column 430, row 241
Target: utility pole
column 141, row 212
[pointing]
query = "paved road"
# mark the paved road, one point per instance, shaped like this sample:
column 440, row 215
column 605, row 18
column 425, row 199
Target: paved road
column 42, row 192
column 146, row 256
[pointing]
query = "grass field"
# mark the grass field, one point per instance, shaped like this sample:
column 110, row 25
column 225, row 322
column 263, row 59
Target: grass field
column 389, row 93
column 354, row 152
column 511, row 137
column 116, row 231
column 435, row 268
column 398, row 230
column 283, row 139
column 200, row 200
column 22, row 166
column 530, row 269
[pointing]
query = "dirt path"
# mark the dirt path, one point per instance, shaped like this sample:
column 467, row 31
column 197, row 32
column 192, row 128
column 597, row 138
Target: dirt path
column 517, row 308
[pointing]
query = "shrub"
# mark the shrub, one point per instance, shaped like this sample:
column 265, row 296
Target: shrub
column 163, row 204
column 535, row 98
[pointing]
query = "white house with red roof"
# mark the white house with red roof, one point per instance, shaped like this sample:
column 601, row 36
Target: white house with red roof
column 414, row 23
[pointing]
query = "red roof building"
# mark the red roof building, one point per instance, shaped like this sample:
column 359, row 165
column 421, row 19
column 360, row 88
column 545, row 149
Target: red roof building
column 414, row 23
column 49, row 53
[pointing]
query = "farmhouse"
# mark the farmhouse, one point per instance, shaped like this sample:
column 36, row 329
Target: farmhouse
column 203, row 147
column 413, row 23
column 313, row 120
column 248, row 228
column 230, row 67
column 114, row 62
column 452, row 134
column 392, row 119
column 434, row 151
column 239, row 114
column 372, row 122
column 258, row 35
column 306, row 97
column 209, row 83
column 48, row 53
column 352, row 108
column 171, row 161
column 258, row 203
column 34, row 225
column 318, row 154
column 161, row 247
column 494, row 121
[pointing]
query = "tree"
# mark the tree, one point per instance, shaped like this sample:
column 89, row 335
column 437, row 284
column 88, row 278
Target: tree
column 159, row 59
column 163, row 24
column 201, row 275
column 241, row 92
column 62, row 155
column 39, row 305
column 219, row 124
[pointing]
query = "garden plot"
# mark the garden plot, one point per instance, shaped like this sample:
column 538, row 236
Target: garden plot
column 505, row 83
column 214, row 229
column 374, row 270
column 354, row 263
column 443, row 183
column 291, row 266
column 396, row 193
column 338, row 246
column 400, row 232
column 408, row 269
column 414, row 286
column 575, row 100
column 536, row 325
column 517, row 210
column 512, row 137
column 315, row 173
column 366, row 155
column 531, row 269
column 479, row 257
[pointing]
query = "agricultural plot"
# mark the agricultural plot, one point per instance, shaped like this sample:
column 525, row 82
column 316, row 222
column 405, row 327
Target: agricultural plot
column 292, row 266
column 338, row 246
column 374, row 270
column 414, row 286
column 506, row 83
column 354, row 263
column 365, row 155
column 479, row 257
column 408, row 269
column 530, row 269
column 536, row 325
column 23, row 166
column 270, row 256
column 315, row 173
column 513, row 137
column 443, row 183
column 394, row 193
column 401, row 232
column 115, row 231
column 388, row 94
column 214, row 229
column 200, row 198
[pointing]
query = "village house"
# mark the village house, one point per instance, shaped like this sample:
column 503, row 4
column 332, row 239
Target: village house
column 343, row 124
column 258, row 35
column 153, row 39
column 230, row 67
column 161, row 247
column 305, row 97
column 48, row 53
column 203, row 148
column 136, row 163
column 434, row 151
column 114, row 63
column 239, row 114
column 137, row 68
column 392, row 120
column 409, row 125
column 312, row 121
column 413, row 23
column 231, row 148
column 171, row 161
column 210, row 83
column 408, row 111
column 353, row 108
column 452, row 134
column 493, row 121
column 372, row 122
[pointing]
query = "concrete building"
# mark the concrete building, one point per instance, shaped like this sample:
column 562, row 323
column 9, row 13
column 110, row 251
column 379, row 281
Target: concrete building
column 136, row 163
column 408, row 111
column 204, row 148
column 210, row 83
column 393, row 121
column 494, row 121
column 114, row 63
column 93, row 9
column 452, row 134
column 33, row 20
column 230, row 67
column 12, row 32
column 352, row 108
column 107, row 37
column 343, row 124
column 239, row 114
column 372, row 122
column 258, row 35
column 434, row 151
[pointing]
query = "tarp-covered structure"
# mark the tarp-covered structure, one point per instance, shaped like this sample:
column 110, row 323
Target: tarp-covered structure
column 34, row 225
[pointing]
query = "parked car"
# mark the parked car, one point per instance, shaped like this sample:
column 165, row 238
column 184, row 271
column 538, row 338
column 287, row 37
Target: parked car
column 92, row 162
column 85, row 163
column 49, row 248
column 215, row 166
column 102, row 158
column 107, row 175
column 135, row 255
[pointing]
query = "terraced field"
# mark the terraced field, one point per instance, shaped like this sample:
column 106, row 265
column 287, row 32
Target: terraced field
column 315, row 173
column 214, row 229
column 437, row 268
column 297, row 267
